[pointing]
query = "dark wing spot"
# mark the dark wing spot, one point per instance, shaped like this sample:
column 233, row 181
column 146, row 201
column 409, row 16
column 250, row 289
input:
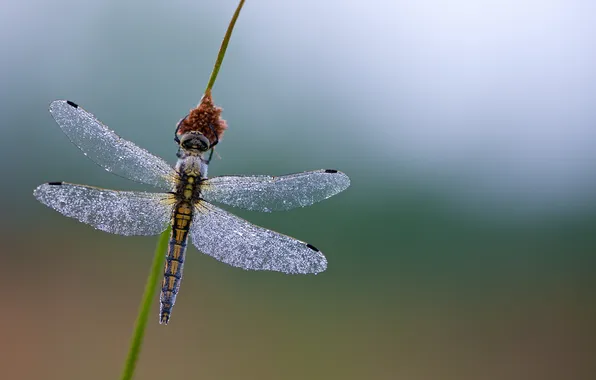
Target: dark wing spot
column 72, row 104
column 330, row 171
column 55, row 183
column 312, row 247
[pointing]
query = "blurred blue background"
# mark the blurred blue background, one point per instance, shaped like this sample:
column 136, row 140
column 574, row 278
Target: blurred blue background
column 463, row 249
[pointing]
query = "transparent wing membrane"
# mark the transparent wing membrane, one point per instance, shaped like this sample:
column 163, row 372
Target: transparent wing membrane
column 117, row 212
column 267, row 193
column 239, row 243
column 108, row 150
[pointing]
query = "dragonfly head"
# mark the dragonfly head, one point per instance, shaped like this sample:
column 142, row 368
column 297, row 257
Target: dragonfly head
column 194, row 142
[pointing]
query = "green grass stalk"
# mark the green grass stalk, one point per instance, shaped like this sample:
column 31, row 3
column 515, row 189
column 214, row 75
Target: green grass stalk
column 141, row 322
column 162, row 245
column 223, row 47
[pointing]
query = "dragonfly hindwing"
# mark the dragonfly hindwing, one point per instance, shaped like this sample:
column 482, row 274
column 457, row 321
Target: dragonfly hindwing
column 117, row 212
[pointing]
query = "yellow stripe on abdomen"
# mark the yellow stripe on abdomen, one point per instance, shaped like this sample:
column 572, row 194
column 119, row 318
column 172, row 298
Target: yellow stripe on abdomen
column 170, row 285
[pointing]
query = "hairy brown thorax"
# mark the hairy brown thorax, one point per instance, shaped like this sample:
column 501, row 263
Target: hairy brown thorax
column 205, row 118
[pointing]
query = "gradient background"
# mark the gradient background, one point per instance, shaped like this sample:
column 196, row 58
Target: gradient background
column 464, row 249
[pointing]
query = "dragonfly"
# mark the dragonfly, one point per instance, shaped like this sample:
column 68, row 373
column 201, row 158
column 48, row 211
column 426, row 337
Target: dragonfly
column 184, row 202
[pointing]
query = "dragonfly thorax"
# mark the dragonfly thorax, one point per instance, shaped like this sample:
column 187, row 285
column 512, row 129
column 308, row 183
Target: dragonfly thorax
column 190, row 165
column 191, row 169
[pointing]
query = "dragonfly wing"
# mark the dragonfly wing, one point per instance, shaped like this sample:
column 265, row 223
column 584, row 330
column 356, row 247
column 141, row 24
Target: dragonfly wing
column 108, row 150
column 239, row 243
column 118, row 212
column 267, row 193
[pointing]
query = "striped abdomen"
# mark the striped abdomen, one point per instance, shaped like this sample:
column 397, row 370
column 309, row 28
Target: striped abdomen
column 181, row 219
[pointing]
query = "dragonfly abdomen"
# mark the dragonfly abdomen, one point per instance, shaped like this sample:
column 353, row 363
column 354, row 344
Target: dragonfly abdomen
column 181, row 218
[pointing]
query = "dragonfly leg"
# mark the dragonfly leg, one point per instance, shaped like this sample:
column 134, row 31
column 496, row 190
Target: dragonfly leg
column 210, row 156
column 176, row 139
column 216, row 138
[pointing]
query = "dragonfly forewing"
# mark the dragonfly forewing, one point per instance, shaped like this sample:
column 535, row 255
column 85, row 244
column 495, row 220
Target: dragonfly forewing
column 236, row 242
column 118, row 212
column 268, row 193
column 109, row 150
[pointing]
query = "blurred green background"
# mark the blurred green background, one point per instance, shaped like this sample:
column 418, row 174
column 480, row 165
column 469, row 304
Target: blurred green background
column 464, row 248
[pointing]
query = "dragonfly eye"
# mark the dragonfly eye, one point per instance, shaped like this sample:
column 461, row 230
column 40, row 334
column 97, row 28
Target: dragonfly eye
column 194, row 141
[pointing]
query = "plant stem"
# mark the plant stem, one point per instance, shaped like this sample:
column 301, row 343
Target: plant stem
column 162, row 245
column 141, row 322
column 223, row 47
